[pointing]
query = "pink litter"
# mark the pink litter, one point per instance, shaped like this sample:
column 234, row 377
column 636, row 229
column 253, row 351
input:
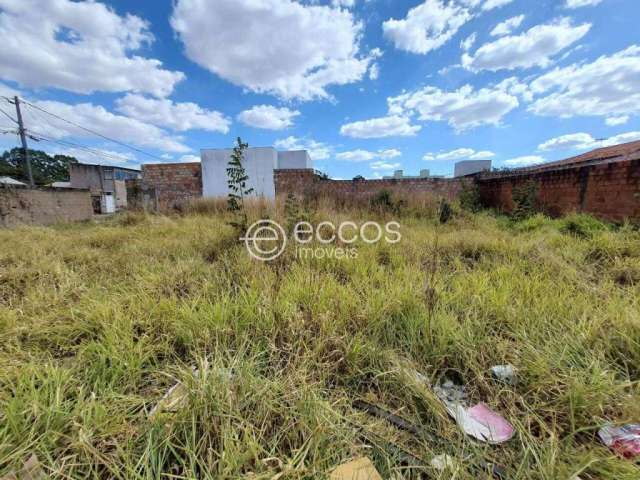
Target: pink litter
column 623, row 440
column 478, row 421
column 499, row 429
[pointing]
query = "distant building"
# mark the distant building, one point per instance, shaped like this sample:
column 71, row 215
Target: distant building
column 399, row 174
column 106, row 183
column 469, row 167
column 259, row 164
column 61, row 185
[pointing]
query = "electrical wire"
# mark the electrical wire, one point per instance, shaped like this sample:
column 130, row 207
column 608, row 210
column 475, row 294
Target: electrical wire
column 37, row 136
column 91, row 131
column 9, row 116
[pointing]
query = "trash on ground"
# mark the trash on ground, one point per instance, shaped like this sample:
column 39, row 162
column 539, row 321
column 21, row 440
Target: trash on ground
column 177, row 394
column 359, row 469
column 442, row 462
column 505, row 374
column 624, row 440
column 403, row 455
column 171, row 401
column 31, row 470
column 399, row 422
column 478, row 421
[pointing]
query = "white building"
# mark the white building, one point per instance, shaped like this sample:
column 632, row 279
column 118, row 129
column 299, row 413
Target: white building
column 259, row 164
column 469, row 167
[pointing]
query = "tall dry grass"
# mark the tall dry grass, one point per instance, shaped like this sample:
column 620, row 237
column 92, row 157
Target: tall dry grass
column 97, row 321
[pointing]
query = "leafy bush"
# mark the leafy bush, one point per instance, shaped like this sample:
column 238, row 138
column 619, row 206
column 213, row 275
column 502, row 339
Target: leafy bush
column 469, row 198
column 525, row 198
column 383, row 202
column 582, row 225
column 445, row 212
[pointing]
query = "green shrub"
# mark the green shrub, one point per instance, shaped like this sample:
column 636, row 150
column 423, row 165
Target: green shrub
column 469, row 198
column 525, row 198
column 445, row 212
column 582, row 225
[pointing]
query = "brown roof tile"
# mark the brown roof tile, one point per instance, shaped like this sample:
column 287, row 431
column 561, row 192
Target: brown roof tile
column 603, row 153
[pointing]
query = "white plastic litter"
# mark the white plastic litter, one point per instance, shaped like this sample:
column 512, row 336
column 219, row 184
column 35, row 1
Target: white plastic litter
column 505, row 373
column 442, row 462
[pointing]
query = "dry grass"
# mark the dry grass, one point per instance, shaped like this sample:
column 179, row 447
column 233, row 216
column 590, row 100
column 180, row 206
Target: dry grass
column 97, row 321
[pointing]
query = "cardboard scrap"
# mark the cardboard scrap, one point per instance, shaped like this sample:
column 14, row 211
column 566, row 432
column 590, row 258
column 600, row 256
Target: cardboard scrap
column 359, row 469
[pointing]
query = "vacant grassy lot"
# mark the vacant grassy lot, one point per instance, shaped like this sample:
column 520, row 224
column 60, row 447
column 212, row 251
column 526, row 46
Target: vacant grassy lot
column 97, row 321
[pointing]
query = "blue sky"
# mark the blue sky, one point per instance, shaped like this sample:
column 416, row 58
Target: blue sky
column 367, row 86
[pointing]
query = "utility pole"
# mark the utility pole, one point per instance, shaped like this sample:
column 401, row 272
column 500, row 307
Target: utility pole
column 23, row 138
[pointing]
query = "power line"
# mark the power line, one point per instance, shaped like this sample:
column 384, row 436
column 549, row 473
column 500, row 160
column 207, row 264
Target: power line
column 92, row 131
column 9, row 116
column 37, row 136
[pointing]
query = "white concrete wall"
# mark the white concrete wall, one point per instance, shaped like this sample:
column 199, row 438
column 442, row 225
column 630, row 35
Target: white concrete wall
column 294, row 159
column 259, row 164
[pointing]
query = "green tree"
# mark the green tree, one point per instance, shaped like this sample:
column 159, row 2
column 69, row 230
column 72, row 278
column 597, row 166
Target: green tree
column 46, row 169
column 237, row 179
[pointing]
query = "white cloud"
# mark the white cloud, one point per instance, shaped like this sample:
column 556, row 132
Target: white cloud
column 104, row 122
column 7, row 91
column 100, row 156
column 390, row 126
column 570, row 141
column 615, row 121
column 384, row 166
column 618, row 139
column 582, row 3
column 532, row 48
column 268, row 117
column 608, row 86
column 462, row 109
column 374, row 72
column 317, row 150
column 189, row 159
column 491, row 4
column 468, row 42
column 585, row 141
column 366, row 155
column 460, row 154
column 81, row 46
column 343, row 3
column 524, row 161
column 426, row 27
column 508, row 26
column 281, row 47
column 487, row 5
column 176, row 116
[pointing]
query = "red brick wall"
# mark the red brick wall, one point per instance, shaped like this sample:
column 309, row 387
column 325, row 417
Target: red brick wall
column 174, row 183
column 307, row 182
column 610, row 191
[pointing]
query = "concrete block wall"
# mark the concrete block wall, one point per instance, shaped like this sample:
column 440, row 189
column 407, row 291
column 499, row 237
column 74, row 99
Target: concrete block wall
column 173, row 183
column 610, row 191
column 43, row 206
